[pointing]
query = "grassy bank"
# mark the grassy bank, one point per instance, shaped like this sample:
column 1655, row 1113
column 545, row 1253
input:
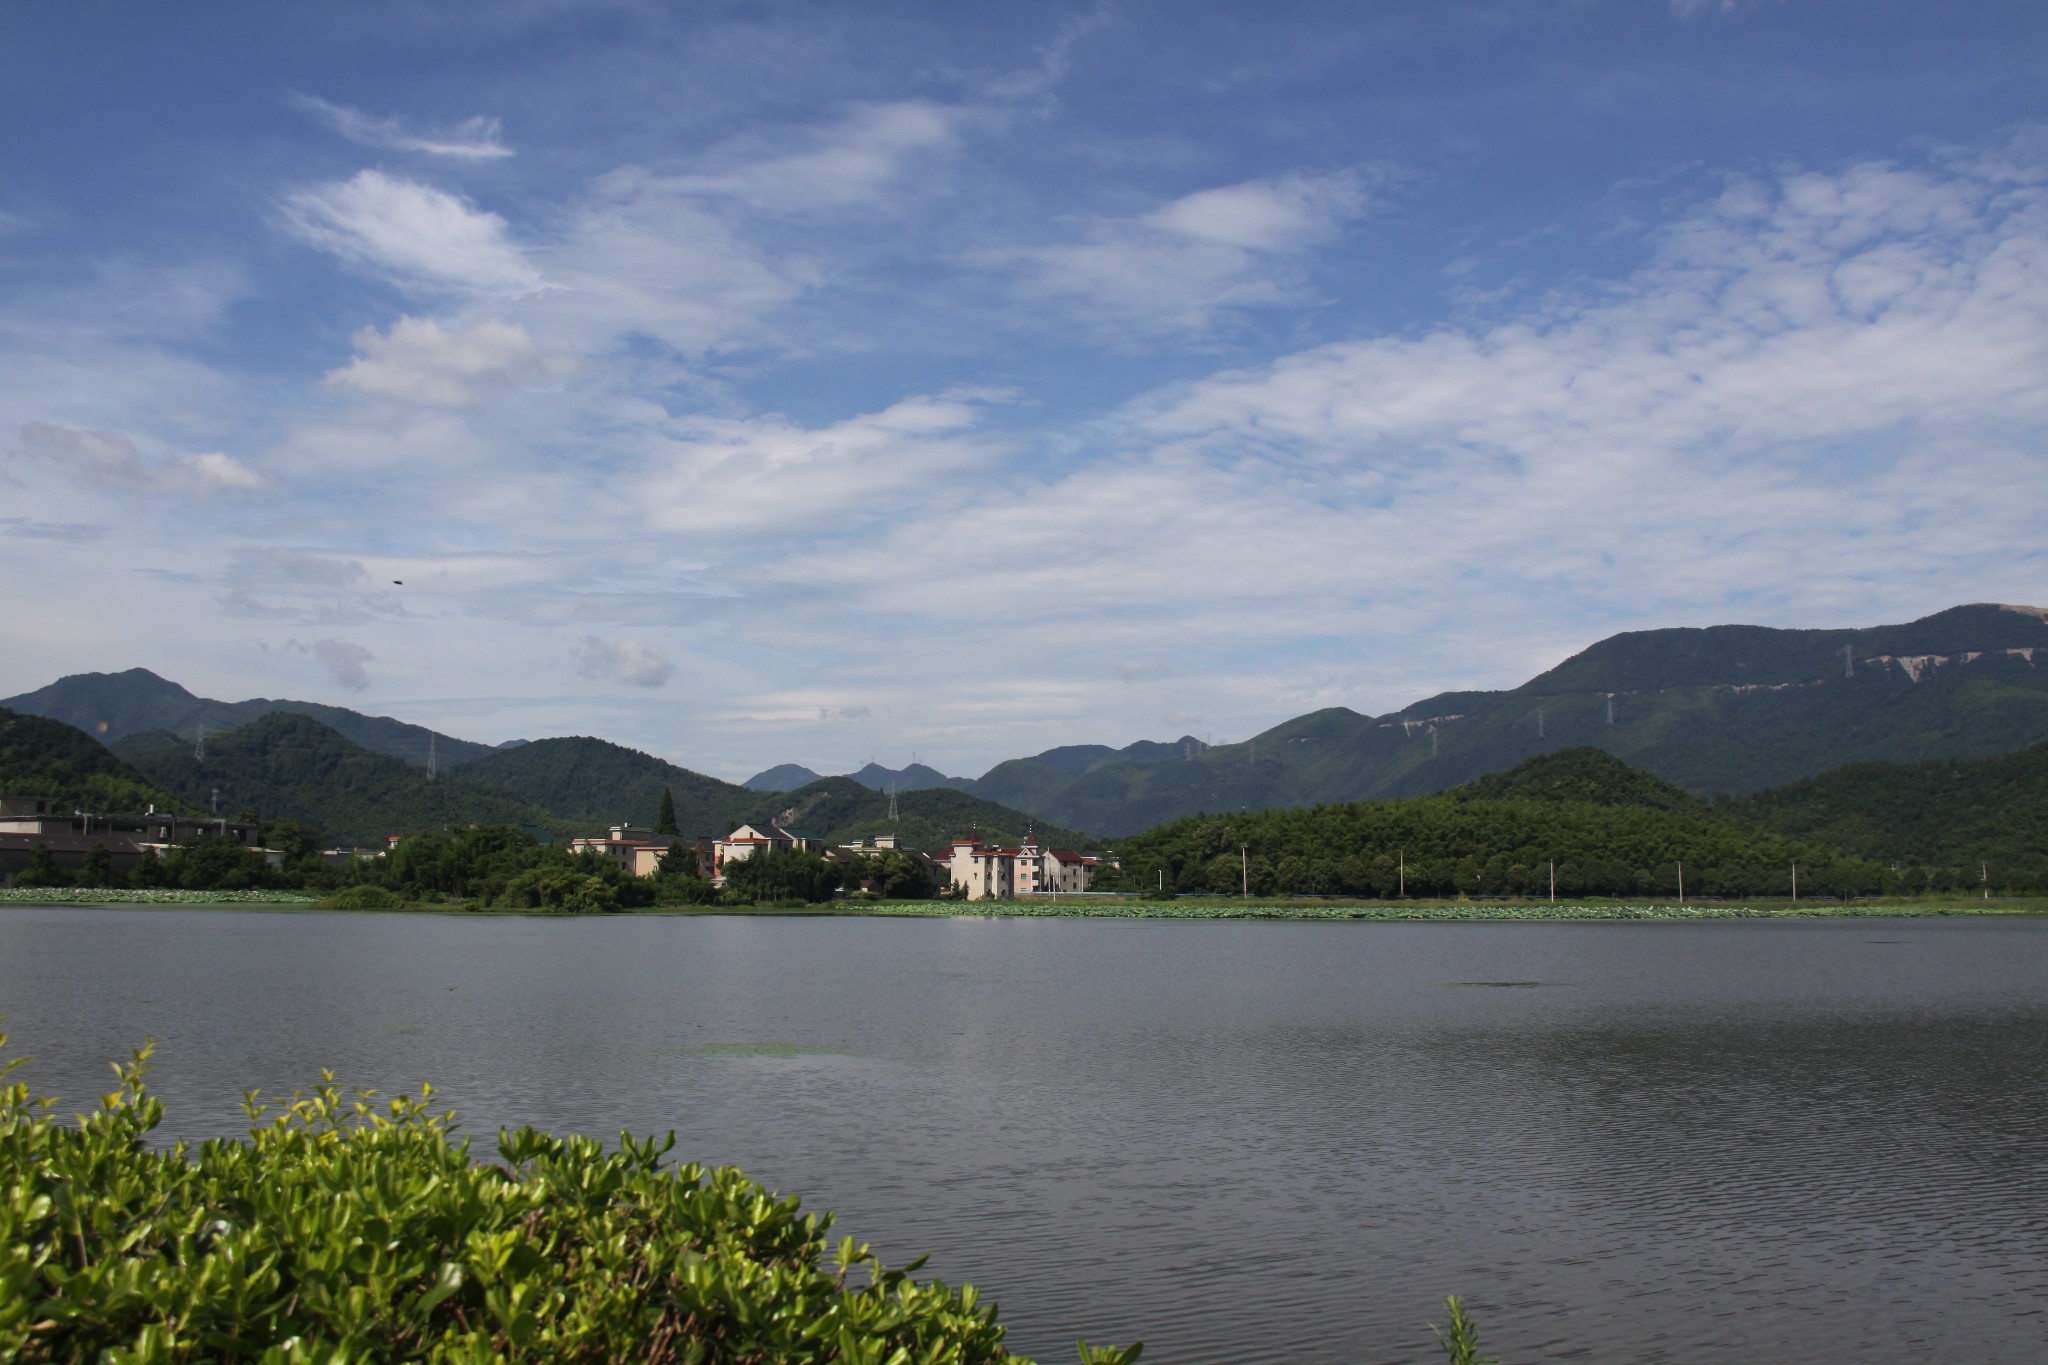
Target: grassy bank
column 1450, row 910
column 1111, row 907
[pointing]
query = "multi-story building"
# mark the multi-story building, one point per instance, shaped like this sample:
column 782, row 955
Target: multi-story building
column 71, row 835
column 985, row 873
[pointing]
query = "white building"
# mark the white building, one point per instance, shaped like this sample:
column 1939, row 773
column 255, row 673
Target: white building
column 985, row 873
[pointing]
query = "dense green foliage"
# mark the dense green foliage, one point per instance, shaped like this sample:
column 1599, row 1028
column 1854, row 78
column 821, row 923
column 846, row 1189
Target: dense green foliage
column 342, row 1229
column 290, row 766
column 115, row 705
column 46, row 758
column 783, row 875
column 592, row 783
column 1958, row 814
column 1730, row 709
column 1450, row 846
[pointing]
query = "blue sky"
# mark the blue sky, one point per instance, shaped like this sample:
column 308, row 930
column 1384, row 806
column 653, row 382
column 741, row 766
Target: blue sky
column 762, row 383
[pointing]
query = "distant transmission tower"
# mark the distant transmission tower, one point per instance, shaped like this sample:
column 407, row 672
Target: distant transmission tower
column 430, row 756
column 1610, row 708
column 1539, row 722
column 199, row 750
column 892, row 803
column 1848, row 661
column 216, row 800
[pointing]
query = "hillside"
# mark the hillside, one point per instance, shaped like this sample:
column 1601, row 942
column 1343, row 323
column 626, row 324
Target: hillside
column 841, row 810
column 47, row 758
column 290, row 766
column 1724, row 710
column 596, row 783
column 1442, row 845
column 115, row 705
column 1957, row 813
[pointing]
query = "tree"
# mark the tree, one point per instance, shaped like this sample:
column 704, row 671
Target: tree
column 42, row 870
column 98, row 869
column 665, row 823
column 783, row 874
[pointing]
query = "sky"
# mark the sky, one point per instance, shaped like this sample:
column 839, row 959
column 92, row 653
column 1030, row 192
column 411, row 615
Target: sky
column 818, row 383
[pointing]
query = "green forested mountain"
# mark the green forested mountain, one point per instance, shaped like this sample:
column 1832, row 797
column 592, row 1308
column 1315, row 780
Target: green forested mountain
column 47, row 758
column 1957, row 813
column 113, row 705
column 289, row 766
column 1444, row 845
column 597, row 783
column 1728, row 709
column 841, row 810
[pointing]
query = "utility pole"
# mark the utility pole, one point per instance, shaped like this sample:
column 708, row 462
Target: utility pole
column 1984, row 876
column 1795, row 881
column 1162, row 881
column 1402, row 874
column 216, row 800
column 199, row 752
column 430, row 756
column 1244, row 866
column 1553, row 881
column 1681, row 883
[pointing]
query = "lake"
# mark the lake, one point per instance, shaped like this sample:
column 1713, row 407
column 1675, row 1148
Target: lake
column 1700, row 1142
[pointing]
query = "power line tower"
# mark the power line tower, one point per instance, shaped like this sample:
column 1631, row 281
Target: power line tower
column 430, row 756
column 199, row 750
column 892, row 804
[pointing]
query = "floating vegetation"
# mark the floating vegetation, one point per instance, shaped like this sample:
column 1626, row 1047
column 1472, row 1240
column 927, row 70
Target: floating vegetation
column 114, row 895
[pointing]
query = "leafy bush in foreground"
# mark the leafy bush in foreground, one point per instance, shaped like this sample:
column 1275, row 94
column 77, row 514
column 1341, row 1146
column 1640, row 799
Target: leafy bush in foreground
column 340, row 1231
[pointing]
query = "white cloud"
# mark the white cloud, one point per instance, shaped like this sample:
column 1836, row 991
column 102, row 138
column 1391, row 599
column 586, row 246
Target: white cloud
column 1791, row 410
column 413, row 231
column 473, row 139
column 112, row 460
column 748, row 476
column 343, row 660
column 624, row 661
column 1183, row 267
column 418, row 361
column 862, row 158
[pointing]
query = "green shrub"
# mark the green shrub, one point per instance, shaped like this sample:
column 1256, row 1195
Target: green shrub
column 364, row 897
column 341, row 1230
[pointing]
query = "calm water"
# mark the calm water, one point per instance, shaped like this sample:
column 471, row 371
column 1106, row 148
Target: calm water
column 1672, row 1142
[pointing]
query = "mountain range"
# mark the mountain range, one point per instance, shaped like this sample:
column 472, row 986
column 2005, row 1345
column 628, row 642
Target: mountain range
column 1718, row 711
column 289, row 766
column 1723, row 710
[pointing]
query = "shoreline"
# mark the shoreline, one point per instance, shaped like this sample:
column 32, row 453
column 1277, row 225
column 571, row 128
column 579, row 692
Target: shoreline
column 1221, row 908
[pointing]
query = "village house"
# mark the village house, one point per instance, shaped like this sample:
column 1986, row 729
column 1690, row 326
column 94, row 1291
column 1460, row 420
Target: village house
column 640, row 851
column 747, row 840
column 985, row 873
